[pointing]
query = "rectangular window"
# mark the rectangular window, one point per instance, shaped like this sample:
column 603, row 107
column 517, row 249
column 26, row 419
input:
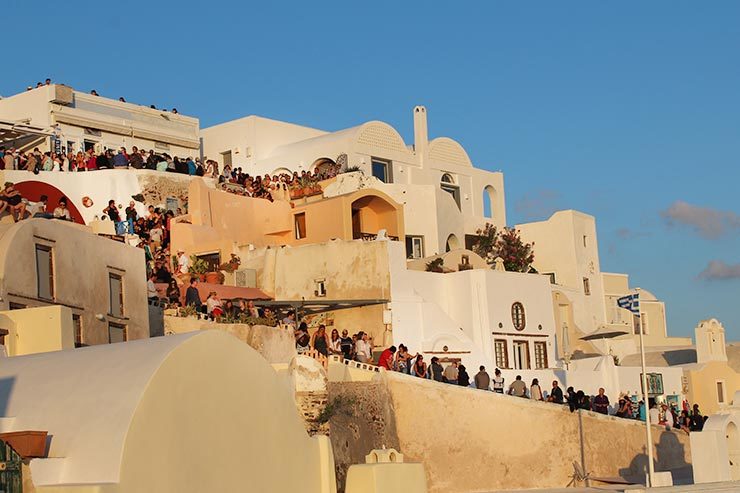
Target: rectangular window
column 77, row 325
column 300, row 226
column 521, row 355
column 16, row 306
column 382, row 170
column 115, row 285
column 540, row 355
column 213, row 260
column 320, row 290
column 414, row 247
column 502, row 355
column 584, row 241
column 45, row 272
column 586, row 286
column 645, row 325
column 551, row 275
column 117, row 333
column 720, row 392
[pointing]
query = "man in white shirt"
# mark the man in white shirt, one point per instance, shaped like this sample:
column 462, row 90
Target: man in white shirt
column 363, row 348
column 151, row 288
column 183, row 262
column 39, row 208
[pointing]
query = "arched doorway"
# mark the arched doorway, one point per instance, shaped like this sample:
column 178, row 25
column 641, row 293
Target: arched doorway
column 452, row 243
column 489, row 199
column 371, row 214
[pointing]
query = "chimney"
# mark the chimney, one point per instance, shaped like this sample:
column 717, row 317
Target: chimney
column 421, row 135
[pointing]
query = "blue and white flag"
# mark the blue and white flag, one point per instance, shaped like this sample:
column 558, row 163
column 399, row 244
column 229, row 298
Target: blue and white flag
column 630, row 302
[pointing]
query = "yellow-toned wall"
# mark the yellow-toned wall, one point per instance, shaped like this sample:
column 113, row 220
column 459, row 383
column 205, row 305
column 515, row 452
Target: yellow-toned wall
column 38, row 330
column 224, row 222
column 703, row 385
column 220, row 437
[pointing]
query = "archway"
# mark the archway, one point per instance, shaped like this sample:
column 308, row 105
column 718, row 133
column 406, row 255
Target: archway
column 452, row 243
column 372, row 213
column 489, row 199
column 324, row 167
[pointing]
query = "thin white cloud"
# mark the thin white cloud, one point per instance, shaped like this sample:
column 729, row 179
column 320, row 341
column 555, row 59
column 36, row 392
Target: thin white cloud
column 706, row 222
column 717, row 270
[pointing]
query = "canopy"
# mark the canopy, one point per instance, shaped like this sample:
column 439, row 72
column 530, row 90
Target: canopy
column 605, row 332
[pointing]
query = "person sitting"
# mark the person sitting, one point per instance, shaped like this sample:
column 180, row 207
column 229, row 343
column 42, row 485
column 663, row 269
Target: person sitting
column 151, row 288
column 556, row 394
column 518, row 388
column 463, row 379
column 214, row 307
column 436, row 370
column 450, row 373
column 601, row 403
column 61, row 211
column 481, row 379
column 420, row 368
column 39, row 208
column 13, row 201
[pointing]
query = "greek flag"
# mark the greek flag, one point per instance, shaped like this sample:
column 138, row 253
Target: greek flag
column 630, row 302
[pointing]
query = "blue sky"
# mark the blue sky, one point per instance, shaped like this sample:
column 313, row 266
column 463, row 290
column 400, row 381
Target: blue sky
column 628, row 111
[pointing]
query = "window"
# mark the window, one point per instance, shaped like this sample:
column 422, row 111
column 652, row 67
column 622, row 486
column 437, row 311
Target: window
column 414, row 247
column 720, row 392
column 115, row 284
column 644, row 321
column 521, row 355
column 16, row 306
column 320, row 290
column 584, row 241
column 586, row 286
column 117, row 333
column 551, row 275
column 226, row 158
column 300, row 226
column 212, row 260
column 636, row 323
column 448, row 185
column 540, row 355
column 77, row 325
column 382, row 170
column 502, row 355
column 172, row 203
column 517, row 316
column 45, row 272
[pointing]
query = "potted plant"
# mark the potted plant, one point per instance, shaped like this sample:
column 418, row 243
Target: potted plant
column 215, row 277
column 198, row 267
column 435, row 265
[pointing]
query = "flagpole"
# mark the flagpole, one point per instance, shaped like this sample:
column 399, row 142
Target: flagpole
column 646, row 402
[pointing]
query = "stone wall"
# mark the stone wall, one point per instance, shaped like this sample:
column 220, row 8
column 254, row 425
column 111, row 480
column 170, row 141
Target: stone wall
column 472, row 440
column 362, row 420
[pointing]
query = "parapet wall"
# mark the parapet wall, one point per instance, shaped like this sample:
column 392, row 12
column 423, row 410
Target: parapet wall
column 472, row 440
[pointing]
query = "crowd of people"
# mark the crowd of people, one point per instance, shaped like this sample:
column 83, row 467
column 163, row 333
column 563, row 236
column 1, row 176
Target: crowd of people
column 358, row 347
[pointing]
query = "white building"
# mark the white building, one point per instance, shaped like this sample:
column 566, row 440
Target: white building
column 68, row 120
column 430, row 176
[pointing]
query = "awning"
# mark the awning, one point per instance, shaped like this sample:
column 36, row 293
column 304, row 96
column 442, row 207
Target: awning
column 223, row 291
column 311, row 307
column 12, row 132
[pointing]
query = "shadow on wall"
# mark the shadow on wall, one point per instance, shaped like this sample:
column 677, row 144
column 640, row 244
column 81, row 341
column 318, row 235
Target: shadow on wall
column 6, row 388
column 669, row 457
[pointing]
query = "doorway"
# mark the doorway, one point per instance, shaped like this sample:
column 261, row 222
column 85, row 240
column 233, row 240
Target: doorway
column 521, row 355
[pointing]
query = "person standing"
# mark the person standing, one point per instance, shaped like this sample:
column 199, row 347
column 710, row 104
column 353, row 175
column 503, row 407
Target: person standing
column 601, row 403
column 386, row 358
column 346, row 345
column 131, row 216
column 482, row 379
column 192, row 296
column 363, row 348
column 320, row 340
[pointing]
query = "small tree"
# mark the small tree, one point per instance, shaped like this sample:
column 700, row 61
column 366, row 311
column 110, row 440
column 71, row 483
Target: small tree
column 491, row 243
